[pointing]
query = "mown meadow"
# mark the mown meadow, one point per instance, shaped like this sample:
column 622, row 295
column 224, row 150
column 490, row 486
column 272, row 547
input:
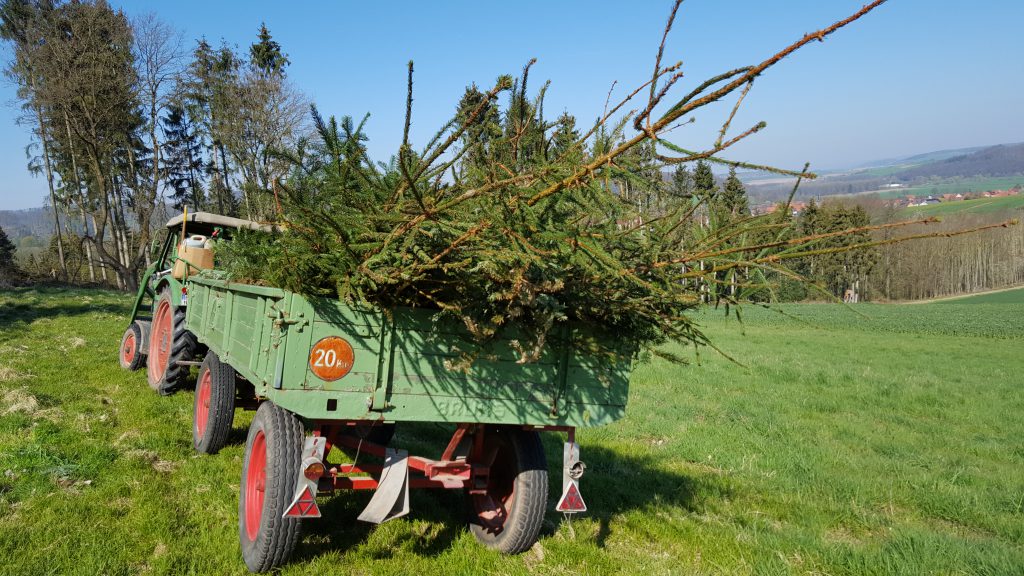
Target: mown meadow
column 1009, row 205
column 872, row 439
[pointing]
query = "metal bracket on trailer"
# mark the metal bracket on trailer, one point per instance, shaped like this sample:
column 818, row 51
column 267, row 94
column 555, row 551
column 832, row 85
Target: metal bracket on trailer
column 571, row 502
column 391, row 499
column 304, row 503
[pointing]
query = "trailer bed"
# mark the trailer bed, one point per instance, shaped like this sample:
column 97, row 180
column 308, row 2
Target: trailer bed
column 397, row 364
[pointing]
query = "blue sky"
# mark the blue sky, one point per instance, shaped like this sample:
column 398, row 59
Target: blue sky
column 913, row 76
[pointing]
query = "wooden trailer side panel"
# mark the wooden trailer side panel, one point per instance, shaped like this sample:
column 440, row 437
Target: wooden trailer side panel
column 401, row 365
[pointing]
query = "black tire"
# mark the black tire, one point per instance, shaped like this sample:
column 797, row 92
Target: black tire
column 183, row 345
column 268, row 542
column 507, row 523
column 131, row 355
column 213, row 408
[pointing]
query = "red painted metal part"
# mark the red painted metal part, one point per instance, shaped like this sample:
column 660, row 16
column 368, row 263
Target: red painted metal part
column 128, row 351
column 203, row 390
column 255, row 485
column 160, row 342
column 472, row 471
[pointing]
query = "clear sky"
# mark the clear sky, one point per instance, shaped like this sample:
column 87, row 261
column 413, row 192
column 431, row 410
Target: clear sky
column 913, row 76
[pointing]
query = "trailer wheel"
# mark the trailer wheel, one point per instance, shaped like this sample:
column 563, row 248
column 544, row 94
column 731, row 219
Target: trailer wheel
column 214, row 405
column 272, row 461
column 508, row 517
column 169, row 343
column 132, row 357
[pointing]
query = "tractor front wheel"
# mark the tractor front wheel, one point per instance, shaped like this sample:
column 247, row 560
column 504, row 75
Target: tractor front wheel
column 214, row 405
column 132, row 356
column 508, row 517
column 273, row 455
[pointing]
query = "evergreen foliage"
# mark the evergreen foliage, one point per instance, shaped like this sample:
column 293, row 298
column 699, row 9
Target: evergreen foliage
column 7, row 250
column 682, row 183
column 733, row 200
column 183, row 160
column 510, row 223
column 265, row 54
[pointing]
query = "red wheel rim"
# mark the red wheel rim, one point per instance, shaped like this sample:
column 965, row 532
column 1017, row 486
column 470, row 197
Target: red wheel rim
column 255, row 485
column 160, row 342
column 492, row 509
column 203, row 402
column 128, row 350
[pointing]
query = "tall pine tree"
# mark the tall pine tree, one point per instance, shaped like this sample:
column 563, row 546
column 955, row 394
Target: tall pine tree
column 682, row 184
column 8, row 267
column 265, row 54
column 183, row 160
column 733, row 200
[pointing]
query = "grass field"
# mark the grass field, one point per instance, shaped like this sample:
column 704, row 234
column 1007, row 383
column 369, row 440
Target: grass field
column 1008, row 204
column 1014, row 296
column 958, row 186
column 871, row 440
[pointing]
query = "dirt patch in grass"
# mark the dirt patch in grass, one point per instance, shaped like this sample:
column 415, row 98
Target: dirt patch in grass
column 151, row 457
column 8, row 374
column 19, row 400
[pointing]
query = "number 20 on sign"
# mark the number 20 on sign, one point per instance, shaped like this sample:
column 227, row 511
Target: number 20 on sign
column 331, row 358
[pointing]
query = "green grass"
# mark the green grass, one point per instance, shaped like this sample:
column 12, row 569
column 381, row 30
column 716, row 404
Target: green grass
column 963, row 185
column 886, row 442
column 975, row 206
column 1015, row 296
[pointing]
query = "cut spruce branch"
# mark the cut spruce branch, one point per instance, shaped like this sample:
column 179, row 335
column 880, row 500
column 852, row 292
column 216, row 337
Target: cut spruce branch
column 510, row 222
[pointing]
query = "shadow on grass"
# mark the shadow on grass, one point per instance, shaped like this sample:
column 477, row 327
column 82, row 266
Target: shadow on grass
column 614, row 484
column 53, row 303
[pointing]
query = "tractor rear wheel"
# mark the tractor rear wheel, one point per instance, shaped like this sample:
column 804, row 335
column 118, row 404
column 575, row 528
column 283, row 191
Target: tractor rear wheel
column 132, row 357
column 508, row 517
column 273, row 454
column 169, row 343
column 214, row 405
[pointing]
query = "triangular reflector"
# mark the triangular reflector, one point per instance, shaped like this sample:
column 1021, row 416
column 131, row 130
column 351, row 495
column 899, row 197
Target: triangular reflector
column 571, row 500
column 304, row 506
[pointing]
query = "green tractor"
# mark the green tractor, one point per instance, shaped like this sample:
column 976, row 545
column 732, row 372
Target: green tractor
column 156, row 336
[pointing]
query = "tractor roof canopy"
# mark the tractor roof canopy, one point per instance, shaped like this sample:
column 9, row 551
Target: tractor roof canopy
column 205, row 222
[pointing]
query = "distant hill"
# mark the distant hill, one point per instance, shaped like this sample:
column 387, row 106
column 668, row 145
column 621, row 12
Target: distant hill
column 925, row 158
column 37, row 222
column 969, row 166
column 1002, row 160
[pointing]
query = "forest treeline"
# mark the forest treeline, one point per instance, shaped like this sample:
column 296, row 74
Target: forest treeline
column 125, row 117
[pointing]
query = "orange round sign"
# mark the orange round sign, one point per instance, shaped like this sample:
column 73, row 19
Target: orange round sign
column 331, row 358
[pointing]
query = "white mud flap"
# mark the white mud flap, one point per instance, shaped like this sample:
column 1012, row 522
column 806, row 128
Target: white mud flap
column 303, row 504
column 571, row 501
column 391, row 499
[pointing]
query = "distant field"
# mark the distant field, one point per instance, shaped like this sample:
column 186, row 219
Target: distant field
column 977, row 206
column 881, row 440
column 1005, row 297
column 960, row 186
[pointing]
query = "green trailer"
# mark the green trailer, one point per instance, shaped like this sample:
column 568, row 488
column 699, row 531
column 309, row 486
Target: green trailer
column 322, row 375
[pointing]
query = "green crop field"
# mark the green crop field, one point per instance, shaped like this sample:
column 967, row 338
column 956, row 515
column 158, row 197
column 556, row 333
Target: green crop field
column 964, row 185
column 852, row 440
column 1015, row 296
column 1008, row 204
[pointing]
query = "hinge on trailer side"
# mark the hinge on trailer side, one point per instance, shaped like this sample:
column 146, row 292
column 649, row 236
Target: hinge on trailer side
column 280, row 318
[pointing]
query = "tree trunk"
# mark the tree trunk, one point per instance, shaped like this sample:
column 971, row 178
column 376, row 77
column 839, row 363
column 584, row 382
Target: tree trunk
column 53, row 195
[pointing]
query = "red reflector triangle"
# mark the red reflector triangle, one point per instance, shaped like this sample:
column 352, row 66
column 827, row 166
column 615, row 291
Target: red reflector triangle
column 571, row 500
column 304, row 506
